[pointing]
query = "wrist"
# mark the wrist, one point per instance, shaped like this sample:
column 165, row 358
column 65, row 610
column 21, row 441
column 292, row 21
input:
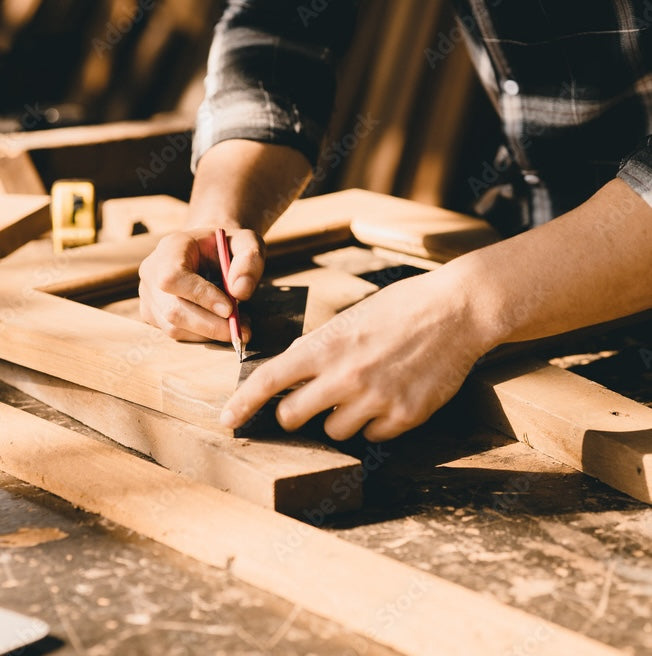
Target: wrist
column 478, row 302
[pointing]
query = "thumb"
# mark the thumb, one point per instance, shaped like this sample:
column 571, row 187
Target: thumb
column 247, row 263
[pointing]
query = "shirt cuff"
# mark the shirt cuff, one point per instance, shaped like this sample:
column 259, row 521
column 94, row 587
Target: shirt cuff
column 246, row 115
column 636, row 170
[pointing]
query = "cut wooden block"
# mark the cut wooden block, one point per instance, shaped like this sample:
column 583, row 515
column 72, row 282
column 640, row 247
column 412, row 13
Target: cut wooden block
column 311, row 224
column 379, row 598
column 293, row 476
column 22, row 218
column 415, row 229
column 156, row 214
column 571, row 419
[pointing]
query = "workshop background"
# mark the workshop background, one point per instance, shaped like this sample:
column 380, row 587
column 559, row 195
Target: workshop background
column 72, row 62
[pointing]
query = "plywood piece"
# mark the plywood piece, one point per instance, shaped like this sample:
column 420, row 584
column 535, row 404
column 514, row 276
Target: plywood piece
column 421, row 230
column 22, row 218
column 571, row 419
column 157, row 214
column 311, row 224
column 292, row 476
column 379, row 598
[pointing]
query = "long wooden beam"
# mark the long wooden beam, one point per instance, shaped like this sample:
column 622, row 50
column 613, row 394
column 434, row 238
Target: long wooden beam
column 136, row 362
column 293, row 476
column 375, row 596
column 569, row 418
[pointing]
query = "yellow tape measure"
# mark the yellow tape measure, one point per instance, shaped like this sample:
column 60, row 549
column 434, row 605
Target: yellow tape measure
column 73, row 213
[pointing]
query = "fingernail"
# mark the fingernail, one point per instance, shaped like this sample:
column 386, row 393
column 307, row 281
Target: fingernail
column 228, row 419
column 243, row 286
column 222, row 310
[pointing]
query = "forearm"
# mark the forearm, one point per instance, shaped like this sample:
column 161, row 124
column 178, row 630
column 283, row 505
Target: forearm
column 246, row 184
column 591, row 265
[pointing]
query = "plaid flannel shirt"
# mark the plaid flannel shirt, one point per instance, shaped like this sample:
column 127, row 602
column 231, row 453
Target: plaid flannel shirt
column 570, row 80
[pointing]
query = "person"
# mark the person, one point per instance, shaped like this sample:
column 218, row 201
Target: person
column 572, row 83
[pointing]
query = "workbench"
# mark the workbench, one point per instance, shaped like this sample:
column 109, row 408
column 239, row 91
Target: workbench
column 451, row 498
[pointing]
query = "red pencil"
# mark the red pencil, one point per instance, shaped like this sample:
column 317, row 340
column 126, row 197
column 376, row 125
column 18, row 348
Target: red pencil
column 225, row 265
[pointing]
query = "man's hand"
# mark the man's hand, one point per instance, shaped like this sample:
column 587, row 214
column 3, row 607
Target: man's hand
column 242, row 186
column 177, row 299
column 383, row 366
column 386, row 364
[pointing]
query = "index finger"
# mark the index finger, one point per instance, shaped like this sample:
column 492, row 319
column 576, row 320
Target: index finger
column 180, row 277
column 271, row 378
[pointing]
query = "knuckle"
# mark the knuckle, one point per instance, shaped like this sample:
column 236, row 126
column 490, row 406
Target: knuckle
column 264, row 379
column 357, row 381
column 250, row 253
column 334, row 433
column 200, row 292
column 168, row 279
column 378, row 435
column 403, row 417
column 286, row 414
column 143, row 269
column 172, row 331
column 173, row 314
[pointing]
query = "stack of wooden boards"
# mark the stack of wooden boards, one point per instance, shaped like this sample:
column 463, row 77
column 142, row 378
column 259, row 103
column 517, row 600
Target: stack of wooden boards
column 128, row 381
column 564, row 415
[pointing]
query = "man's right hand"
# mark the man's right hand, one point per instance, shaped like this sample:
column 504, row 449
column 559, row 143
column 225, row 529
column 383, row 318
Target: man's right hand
column 183, row 304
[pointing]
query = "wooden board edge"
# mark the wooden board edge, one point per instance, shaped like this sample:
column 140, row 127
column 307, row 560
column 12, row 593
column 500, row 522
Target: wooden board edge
column 570, row 418
column 29, row 226
column 323, row 481
column 375, row 596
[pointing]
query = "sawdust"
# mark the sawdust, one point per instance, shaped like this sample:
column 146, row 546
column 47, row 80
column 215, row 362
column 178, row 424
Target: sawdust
column 31, row 537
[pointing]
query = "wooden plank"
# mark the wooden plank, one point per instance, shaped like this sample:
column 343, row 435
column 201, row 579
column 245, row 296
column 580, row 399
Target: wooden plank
column 157, row 214
column 379, row 598
column 571, row 419
column 136, row 362
column 22, row 218
column 18, row 174
column 123, row 159
column 307, row 225
column 292, row 476
column 92, row 134
column 421, row 230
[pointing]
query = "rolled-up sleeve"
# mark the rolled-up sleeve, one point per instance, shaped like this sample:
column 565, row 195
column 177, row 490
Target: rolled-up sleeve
column 636, row 170
column 271, row 73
